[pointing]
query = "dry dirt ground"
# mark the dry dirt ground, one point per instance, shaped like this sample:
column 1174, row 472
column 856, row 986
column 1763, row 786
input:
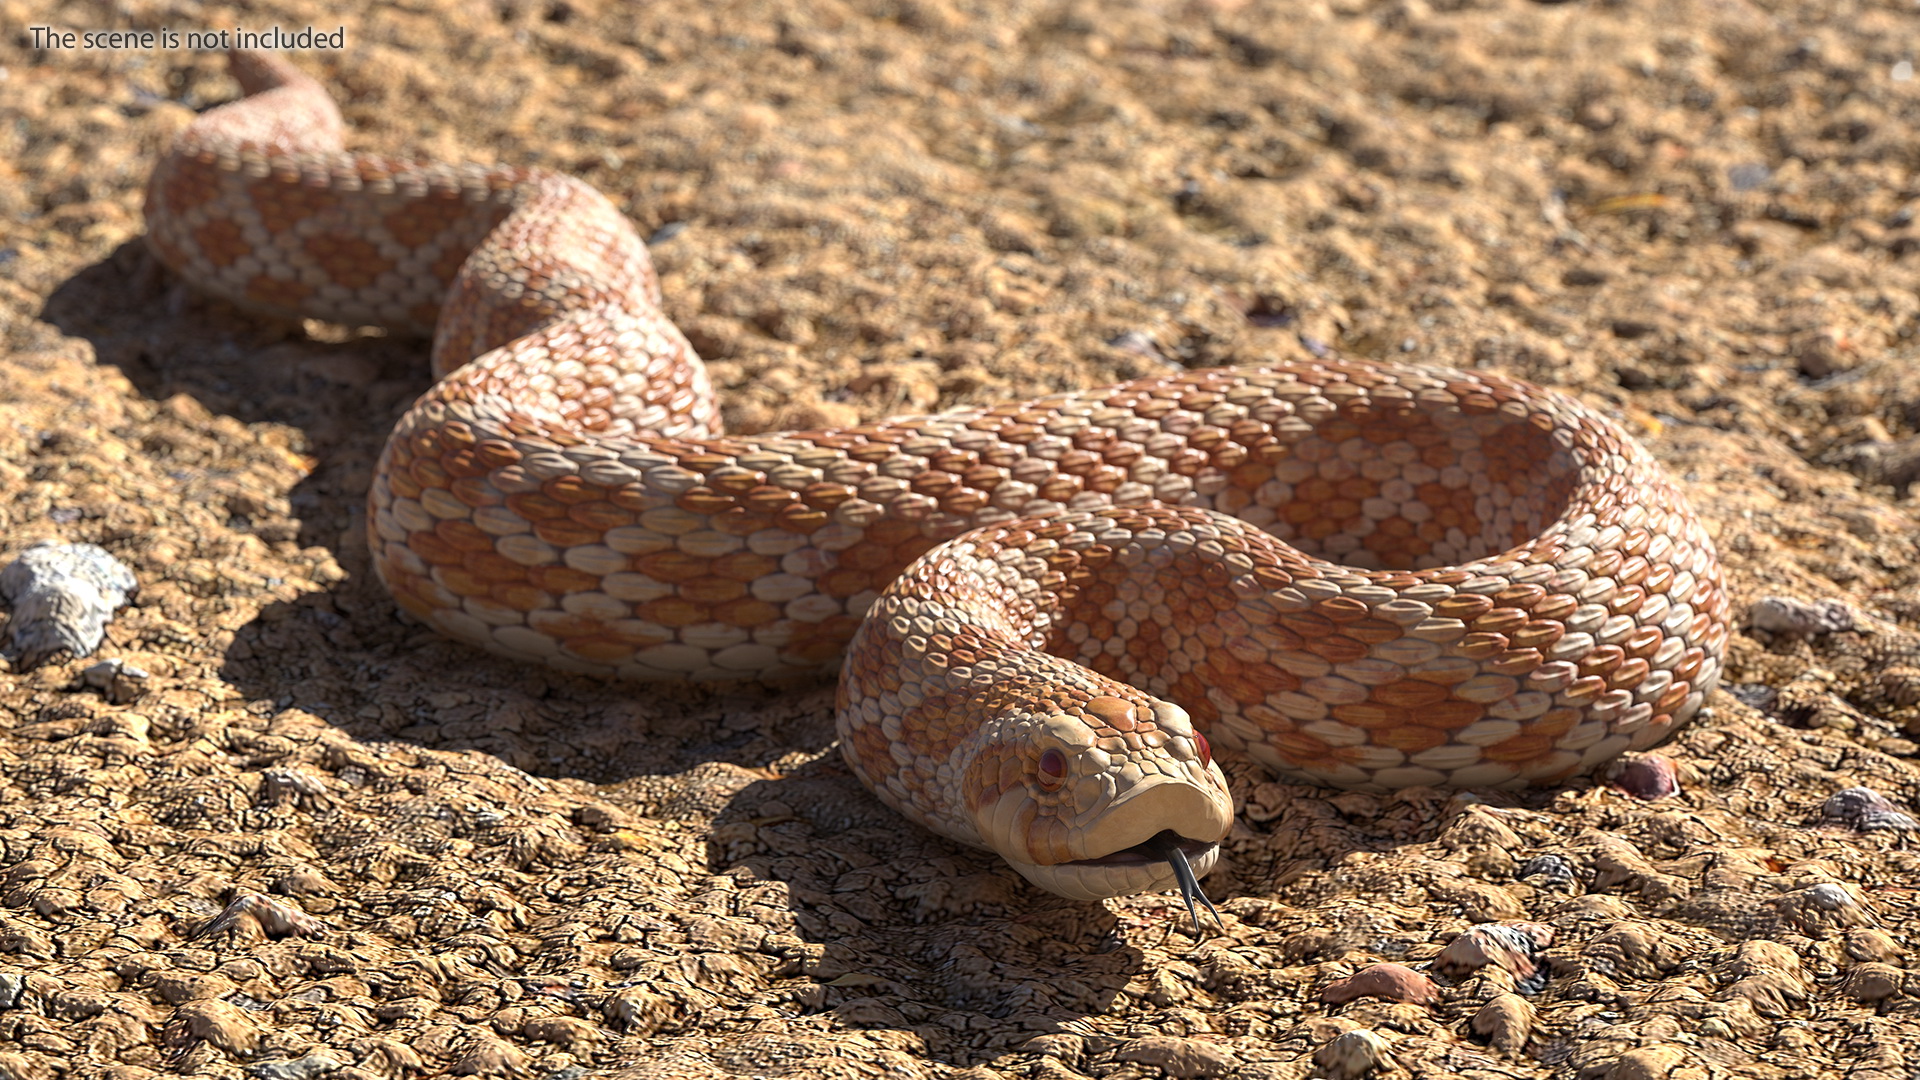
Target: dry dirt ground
column 1698, row 215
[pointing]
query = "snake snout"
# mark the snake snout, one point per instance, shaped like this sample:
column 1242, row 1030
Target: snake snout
column 1197, row 809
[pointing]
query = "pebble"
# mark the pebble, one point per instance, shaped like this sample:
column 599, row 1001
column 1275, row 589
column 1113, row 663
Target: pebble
column 1178, row 1056
column 123, row 682
column 1134, row 341
column 1394, row 982
column 314, row 1064
column 220, row 1023
column 1872, row 943
column 1647, row 776
column 62, row 597
column 1868, row 983
column 1513, row 946
column 1830, row 897
column 1864, row 810
column 1768, row 976
column 487, row 1056
column 1823, row 909
column 1064, row 1045
column 1784, row 615
column 1506, row 1022
column 1353, row 1054
column 1549, row 872
column 265, row 915
column 1648, row 1063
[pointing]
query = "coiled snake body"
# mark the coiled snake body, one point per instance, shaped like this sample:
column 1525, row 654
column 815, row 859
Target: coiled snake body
column 1357, row 574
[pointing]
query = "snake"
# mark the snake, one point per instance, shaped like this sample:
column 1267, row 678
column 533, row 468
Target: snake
column 1049, row 615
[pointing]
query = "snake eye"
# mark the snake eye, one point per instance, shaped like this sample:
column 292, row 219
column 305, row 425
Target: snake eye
column 1206, row 749
column 1053, row 769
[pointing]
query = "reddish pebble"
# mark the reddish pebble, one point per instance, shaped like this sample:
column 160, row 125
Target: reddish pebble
column 1394, row 982
column 1649, row 776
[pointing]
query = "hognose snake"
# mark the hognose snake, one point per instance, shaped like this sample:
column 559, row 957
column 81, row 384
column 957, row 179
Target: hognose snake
column 1356, row 574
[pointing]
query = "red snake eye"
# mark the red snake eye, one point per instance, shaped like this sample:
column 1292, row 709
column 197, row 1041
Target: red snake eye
column 1053, row 769
column 1206, row 748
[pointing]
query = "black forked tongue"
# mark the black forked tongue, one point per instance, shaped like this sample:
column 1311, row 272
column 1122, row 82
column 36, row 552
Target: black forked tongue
column 1166, row 845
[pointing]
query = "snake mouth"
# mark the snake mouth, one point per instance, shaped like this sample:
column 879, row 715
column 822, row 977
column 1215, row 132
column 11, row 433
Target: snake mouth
column 1164, row 861
column 1125, row 845
column 1169, row 847
column 1154, row 850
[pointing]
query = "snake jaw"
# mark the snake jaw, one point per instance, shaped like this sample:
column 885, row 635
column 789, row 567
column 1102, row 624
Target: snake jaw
column 1102, row 850
column 1121, row 873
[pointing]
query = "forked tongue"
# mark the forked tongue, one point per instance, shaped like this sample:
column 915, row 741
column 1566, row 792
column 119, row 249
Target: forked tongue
column 1166, row 846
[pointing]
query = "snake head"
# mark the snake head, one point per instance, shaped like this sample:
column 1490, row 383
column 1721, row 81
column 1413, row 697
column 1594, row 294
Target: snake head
column 1077, row 798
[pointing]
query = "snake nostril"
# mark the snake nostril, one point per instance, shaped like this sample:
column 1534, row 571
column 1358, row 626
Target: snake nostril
column 1053, row 769
column 1206, row 748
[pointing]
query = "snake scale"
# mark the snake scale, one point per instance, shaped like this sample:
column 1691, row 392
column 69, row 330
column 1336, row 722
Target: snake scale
column 1048, row 613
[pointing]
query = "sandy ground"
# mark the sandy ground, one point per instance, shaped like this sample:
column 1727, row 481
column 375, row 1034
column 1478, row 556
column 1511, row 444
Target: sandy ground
column 1697, row 216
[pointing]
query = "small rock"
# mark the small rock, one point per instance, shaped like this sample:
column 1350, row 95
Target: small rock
column 639, row 1011
column 221, row 1023
column 318, row 1063
column 303, row 881
column 1064, row 1045
column 1822, row 909
column 1825, row 353
column 1549, row 872
column 1868, row 983
column 1648, row 1063
column 282, row 787
column 17, row 1066
column 12, row 985
column 1513, row 946
column 1829, row 896
column 1136, row 342
column 1894, row 463
column 1769, row 993
column 1646, row 776
column 176, row 987
column 1506, row 1022
column 1632, row 377
column 1864, row 810
column 1748, row 175
column 62, row 597
column 1863, row 943
column 1394, row 982
column 1760, row 954
column 1178, row 1056
column 566, row 1031
column 1901, row 685
column 122, row 681
column 1755, row 695
column 488, row 1056
column 1353, row 1054
column 264, row 915
column 1784, row 615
